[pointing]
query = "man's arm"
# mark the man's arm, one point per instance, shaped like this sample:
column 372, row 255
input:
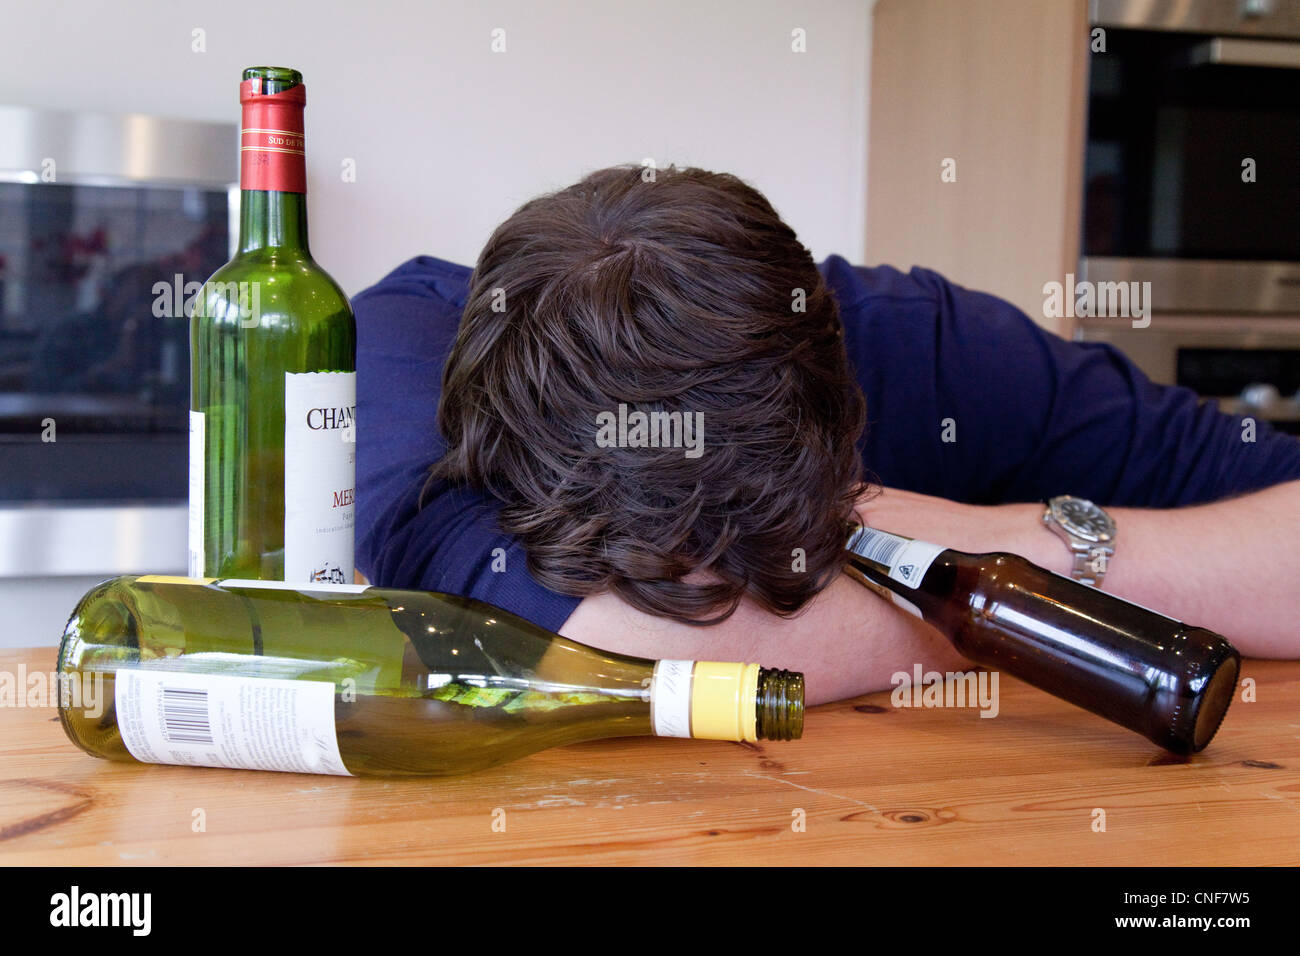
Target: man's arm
column 1230, row 566
column 846, row 641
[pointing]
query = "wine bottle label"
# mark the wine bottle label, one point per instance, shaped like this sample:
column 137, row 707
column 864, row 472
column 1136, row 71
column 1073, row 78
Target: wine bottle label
column 318, row 588
column 670, row 698
column 906, row 558
column 309, row 588
column 319, row 475
column 197, row 493
column 210, row 720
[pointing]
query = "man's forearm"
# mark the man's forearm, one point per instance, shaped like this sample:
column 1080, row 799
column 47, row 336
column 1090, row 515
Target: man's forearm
column 846, row 642
column 1231, row 566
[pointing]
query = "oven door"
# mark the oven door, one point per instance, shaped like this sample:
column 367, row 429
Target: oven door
column 1190, row 171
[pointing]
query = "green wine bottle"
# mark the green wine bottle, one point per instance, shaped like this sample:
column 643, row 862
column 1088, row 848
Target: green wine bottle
column 350, row 679
column 273, row 366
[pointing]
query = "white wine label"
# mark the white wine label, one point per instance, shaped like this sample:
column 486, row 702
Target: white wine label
column 319, row 475
column 197, row 489
column 670, row 698
column 906, row 558
column 209, row 720
column 310, row 588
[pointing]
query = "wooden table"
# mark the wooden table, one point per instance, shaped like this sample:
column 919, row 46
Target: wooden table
column 871, row 784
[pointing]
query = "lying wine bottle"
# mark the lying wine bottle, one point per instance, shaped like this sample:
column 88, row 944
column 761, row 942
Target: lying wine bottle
column 350, row 679
column 1169, row 682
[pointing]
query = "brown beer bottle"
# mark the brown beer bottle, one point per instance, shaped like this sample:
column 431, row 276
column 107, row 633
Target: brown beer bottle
column 1167, row 681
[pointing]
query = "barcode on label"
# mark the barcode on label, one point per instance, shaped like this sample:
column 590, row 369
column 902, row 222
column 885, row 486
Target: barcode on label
column 185, row 715
column 876, row 545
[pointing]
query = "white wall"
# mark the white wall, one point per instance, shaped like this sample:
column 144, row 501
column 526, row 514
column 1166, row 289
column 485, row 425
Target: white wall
column 449, row 137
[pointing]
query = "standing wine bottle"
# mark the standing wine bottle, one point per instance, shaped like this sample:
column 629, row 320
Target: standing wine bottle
column 349, row 679
column 273, row 359
column 1169, row 682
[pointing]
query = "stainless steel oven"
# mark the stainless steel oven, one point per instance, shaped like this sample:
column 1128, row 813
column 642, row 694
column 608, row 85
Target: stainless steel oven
column 1250, row 364
column 1192, row 184
column 104, row 222
column 1193, row 149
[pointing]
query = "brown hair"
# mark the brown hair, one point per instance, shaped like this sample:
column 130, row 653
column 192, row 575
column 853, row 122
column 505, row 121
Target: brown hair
column 668, row 290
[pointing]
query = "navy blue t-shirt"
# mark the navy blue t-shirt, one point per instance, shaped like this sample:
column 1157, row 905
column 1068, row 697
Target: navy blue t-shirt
column 1032, row 416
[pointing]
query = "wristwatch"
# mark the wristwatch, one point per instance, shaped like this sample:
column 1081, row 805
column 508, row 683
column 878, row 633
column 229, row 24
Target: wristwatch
column 1088, row 530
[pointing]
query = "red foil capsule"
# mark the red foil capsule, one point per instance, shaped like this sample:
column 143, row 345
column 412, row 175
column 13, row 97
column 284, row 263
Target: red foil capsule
column 271, row 150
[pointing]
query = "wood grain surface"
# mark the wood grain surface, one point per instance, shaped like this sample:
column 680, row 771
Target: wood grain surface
column 873, row 785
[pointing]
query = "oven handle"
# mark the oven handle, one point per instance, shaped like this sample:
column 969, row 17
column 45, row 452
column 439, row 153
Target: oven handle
column 1235, row 51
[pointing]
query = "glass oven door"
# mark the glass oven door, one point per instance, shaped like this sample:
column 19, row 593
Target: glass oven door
column 1190, row 170
column 94, row 339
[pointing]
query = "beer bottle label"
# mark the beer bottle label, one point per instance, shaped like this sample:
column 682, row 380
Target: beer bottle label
column 906, row 558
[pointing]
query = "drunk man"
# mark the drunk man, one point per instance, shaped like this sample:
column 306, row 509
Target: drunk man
column 822, row 392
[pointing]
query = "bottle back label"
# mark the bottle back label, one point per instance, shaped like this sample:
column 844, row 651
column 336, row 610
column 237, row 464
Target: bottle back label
column 210, row 720
column 319, row 476
column 906, row 558
column 197, row 490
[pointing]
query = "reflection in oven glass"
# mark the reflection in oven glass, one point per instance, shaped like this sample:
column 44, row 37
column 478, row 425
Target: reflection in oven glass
column 94, row 336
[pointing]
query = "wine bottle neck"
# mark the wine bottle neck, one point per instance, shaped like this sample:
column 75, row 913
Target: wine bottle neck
column 779, row 705
column 272, row 220
column 273, row 165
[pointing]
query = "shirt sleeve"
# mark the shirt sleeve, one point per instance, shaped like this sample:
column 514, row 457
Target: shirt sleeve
column 451, row 544
column 1048, row 416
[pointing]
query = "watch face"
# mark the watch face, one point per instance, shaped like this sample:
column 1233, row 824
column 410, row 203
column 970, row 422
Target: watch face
column 1084, row 519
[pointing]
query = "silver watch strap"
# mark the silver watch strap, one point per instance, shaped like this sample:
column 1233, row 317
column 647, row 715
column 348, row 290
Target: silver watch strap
column 1090, row 564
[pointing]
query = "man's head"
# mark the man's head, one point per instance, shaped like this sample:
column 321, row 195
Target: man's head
column 683, row 292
